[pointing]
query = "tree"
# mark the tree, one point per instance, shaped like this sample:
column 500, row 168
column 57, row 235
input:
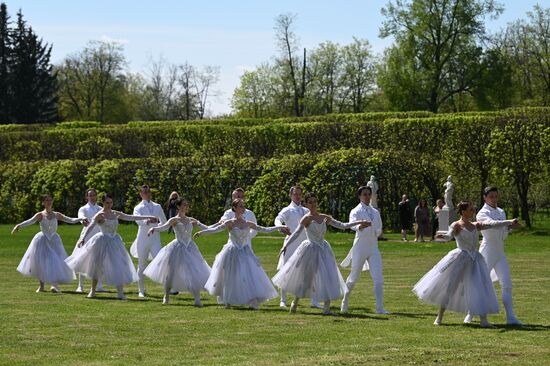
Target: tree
column 254, row 97
column 438, row 39
column 28, row 84
column 358, row 79
column 325, row 69
column 527, row 43
column 288, row 45
column 90, row 81
column 517, row 151
column 5, row 51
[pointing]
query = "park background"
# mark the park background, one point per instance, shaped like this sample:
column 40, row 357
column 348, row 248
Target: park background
column 442, row 96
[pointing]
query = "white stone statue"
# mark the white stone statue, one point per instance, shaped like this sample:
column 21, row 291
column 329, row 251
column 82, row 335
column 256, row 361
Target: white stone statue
column 449, row 190
column 374, row 188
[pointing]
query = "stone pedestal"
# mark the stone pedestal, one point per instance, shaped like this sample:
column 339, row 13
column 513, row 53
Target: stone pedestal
column 445, row 219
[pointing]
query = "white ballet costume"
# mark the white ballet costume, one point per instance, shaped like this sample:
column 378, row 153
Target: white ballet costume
column 179, row 265
column 237, row 277
column 45, row 256
column 104, row 257
column 312, row 269
column 460, row 281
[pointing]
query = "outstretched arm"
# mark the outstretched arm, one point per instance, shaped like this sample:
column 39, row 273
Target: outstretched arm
column 88, row 229
column 67, row 219
column 293, row 237
column 198, row 223
column 28, row 222
column 485, row 225
column 162, row 227
column 341, row 225
column 265, row 229
column 210, row 230
column 125, row 217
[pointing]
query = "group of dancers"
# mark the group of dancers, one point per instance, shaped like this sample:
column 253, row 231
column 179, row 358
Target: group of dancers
column 307, row 267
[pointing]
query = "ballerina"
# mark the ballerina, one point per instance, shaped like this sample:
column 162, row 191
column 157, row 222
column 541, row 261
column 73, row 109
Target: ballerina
column 104, row 257
column 237, row 277
column 179, row 266
column 312, row 270
column 45, row 256
column 461, row 281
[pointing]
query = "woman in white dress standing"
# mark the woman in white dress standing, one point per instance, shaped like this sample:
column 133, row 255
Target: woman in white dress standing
column 180, row 266
column 237, row 277
column 45, row 256
column 312, row 269
column 461, row 281
column 104, row 256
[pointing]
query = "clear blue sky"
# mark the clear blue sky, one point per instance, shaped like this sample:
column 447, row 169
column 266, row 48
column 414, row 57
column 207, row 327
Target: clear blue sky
column 235, row 35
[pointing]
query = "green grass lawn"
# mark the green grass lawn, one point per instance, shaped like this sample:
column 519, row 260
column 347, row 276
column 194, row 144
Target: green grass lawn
column 67, row 328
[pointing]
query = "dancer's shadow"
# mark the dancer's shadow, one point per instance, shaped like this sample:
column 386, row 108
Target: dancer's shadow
column 524, row 328
column 413, row 315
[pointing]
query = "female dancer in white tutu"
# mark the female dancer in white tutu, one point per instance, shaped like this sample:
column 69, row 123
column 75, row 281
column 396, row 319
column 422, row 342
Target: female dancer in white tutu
column 461, row 281
column 179, row 266
column 45, row 256
column 237, row 277
column 312, row 269
column 104, row 256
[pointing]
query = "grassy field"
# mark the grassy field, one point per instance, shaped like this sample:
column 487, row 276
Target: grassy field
column 67, row 328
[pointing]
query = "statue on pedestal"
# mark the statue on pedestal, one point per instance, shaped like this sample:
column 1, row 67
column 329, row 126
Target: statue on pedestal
column 449, row 190
column 374, row 188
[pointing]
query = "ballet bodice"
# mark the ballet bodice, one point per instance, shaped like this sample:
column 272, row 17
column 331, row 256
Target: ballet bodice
column 183, row 231
column 467, row 240
column 48, row 226
column 109, row 227
column 315, row 232
column 239, row 237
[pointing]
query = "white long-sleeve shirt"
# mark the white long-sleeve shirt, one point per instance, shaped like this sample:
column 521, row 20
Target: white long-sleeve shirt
column 147, row 208
column 88, row 211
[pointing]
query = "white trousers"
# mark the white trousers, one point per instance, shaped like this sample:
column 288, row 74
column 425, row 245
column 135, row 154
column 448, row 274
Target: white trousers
column 367, row 253
column 143, row 250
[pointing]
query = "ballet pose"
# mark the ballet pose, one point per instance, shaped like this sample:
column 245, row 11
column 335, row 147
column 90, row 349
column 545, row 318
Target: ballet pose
column 179, row 266
column 104, row 256
column 45, row 256
column 237, row 277
column 87, row 213
column 145, row 247
column 312, row 269
column 460, row 281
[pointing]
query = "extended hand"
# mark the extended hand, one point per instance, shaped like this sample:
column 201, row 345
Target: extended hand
column 85, row 222
column 15, row 228
column 197, row 234
column 153, row 221
column 151, row 231
column 365, row 224
column 80, row 243
column 515, row 224
column 285, row 230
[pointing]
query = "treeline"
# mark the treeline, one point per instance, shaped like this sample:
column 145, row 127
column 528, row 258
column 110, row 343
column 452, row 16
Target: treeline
column 442, row 60
column 205, row 162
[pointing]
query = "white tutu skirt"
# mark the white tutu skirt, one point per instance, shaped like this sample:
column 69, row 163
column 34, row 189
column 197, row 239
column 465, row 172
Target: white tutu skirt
column 179, row 266
column 312, row 272
column 238, row 278
column 105, row 258
column 459, row 282
column 45, row 260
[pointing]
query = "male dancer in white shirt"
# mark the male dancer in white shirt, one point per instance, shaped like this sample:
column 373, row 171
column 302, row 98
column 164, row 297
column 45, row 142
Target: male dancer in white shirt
column 146, row 247
column 291, row 216
column 88, row 211
column 492, row 249
column 365, row 254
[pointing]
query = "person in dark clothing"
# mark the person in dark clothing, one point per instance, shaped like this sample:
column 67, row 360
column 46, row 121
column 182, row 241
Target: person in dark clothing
column 405, row 216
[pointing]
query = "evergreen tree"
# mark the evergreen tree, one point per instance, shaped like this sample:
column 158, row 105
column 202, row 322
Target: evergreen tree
column 33, row 82
column 4, row 63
